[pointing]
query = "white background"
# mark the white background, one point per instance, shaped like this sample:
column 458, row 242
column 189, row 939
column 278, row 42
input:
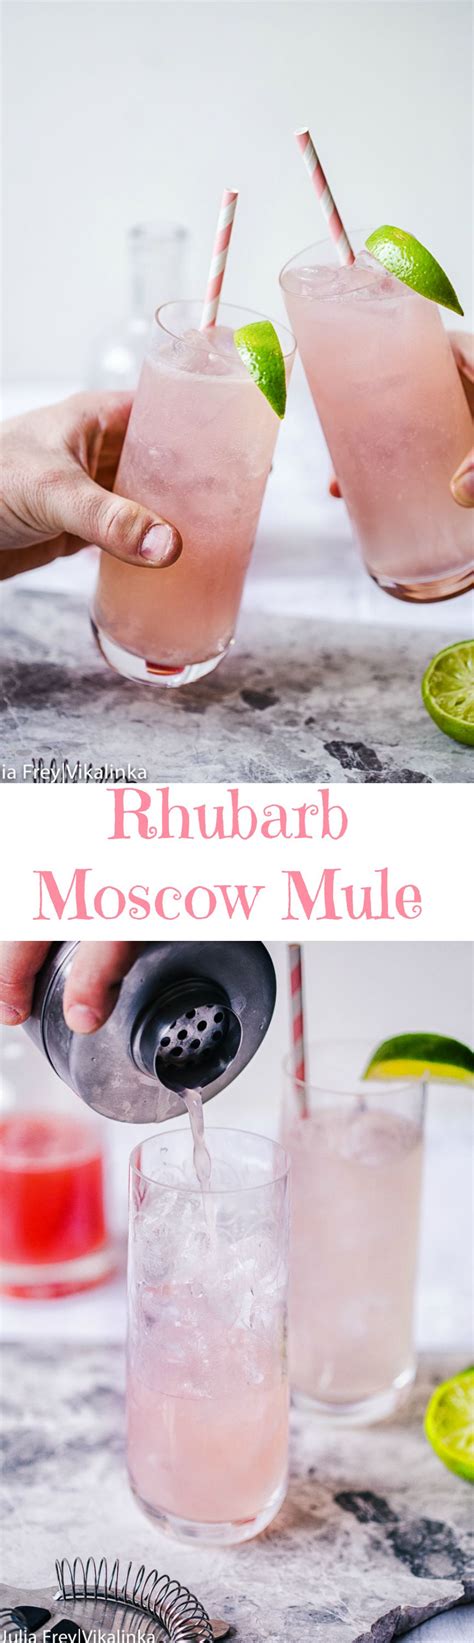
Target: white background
column 119, row 112
column 124, row 110
column 426, row 841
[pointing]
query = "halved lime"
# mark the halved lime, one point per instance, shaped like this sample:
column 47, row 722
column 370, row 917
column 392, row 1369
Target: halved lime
column 411, row 1055
column 449, row 1424
column 448, row 691
column 404, row 256
column 260, row 350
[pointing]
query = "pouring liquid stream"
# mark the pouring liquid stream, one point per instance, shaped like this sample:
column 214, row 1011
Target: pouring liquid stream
column 201, row 1157
column 202, row 1163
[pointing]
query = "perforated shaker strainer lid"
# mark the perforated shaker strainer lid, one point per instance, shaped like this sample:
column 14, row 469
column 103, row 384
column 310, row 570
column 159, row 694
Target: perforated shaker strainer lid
column 190, row 1038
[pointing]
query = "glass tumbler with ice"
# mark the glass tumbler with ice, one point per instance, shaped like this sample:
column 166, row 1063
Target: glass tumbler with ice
column 198, row 451
column 396, row 420
column 356, row 1162
column 207, row 1372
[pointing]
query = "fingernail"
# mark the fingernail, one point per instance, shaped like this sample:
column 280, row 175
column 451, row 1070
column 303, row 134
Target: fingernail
column 8, row 1016
column 81, row 1019
column 161, row 545
column 462, row 483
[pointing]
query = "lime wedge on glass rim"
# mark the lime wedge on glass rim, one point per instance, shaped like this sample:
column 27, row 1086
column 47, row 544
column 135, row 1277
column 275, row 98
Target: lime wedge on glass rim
column 418, row 1055
column 449, row 1424
column 260, row 351
column 448, row 691
column 404, row 257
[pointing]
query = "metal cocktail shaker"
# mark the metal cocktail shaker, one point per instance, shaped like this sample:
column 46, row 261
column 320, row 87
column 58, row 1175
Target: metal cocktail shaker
column 190, row 1015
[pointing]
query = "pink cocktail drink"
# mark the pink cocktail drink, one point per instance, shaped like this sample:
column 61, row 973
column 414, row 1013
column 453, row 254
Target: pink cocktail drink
column 207, row 1381
column 198, row 451
column 356, row 1163
column 382, row 375
column 208, row 1440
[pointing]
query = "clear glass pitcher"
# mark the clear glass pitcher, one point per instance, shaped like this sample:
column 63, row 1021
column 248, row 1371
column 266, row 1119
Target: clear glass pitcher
column 54, row 1231
column 157, row 269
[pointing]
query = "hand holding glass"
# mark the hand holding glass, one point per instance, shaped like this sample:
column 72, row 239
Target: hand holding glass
column 198, row 450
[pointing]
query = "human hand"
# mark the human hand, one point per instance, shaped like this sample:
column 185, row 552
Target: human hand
column 92, row 986
column 58, row 470
column 462, row 483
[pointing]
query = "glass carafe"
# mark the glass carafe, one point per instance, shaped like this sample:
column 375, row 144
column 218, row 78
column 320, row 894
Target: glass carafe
column 156, row 257
column 54, row 1236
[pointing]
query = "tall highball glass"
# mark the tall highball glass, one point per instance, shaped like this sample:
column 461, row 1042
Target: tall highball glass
column 207, row 1367
column 198, row 451
column 356, row 1162
column 384, row 382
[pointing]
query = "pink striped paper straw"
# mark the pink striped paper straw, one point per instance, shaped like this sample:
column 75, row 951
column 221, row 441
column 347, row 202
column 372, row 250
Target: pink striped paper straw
column 219, row 257
column 297, row 1023
column 328, row 206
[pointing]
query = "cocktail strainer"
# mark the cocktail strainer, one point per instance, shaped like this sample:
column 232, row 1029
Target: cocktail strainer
column 119, row 1600
column 190, row 1015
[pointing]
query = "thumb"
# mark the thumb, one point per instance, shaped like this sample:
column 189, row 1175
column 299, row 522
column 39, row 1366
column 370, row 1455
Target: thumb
column 93, row 983
column 462, row 483
column 463, row 349
column 122, row 527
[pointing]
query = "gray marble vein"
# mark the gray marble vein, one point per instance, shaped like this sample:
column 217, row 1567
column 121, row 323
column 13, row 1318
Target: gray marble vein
column 297, row 699
column 374, row 1537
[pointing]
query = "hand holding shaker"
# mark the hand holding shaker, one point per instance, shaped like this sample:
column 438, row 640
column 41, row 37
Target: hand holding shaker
column 189, row 1016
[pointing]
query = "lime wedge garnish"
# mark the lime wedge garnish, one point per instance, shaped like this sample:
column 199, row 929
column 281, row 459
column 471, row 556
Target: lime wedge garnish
column 260, row 350
column 449, row 1424
column 403, row 256
column 413, row 1054
column 448, row 691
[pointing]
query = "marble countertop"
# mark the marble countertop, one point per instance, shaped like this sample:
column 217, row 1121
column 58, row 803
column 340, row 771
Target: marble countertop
column 372, row 1539
column 323, row 682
